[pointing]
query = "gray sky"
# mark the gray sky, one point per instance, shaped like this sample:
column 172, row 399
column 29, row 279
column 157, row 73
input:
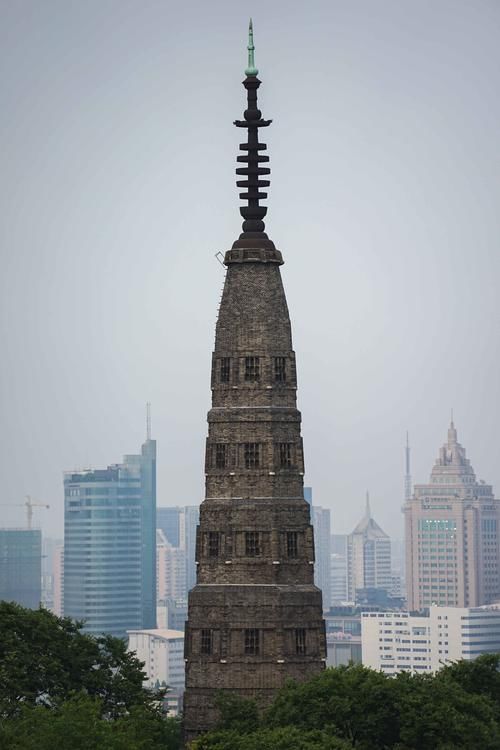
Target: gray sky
column 117, row 188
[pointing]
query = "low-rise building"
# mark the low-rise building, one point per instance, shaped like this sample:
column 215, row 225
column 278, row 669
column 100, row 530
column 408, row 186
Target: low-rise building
column 398, row 641
column 343, row 636
column 162, row 652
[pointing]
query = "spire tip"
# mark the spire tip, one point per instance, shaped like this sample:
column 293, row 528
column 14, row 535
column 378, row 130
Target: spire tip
column 148, row 420
column 368, row 509
column 251, row 70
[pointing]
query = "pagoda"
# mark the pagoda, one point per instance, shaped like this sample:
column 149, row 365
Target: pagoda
column 255, row 615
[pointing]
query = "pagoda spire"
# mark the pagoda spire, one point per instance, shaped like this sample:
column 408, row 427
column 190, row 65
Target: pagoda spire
column 253, row 213
column 251, row 69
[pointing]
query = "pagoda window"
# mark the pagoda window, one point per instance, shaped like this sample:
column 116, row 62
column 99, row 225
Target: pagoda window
column 300, row 641
column 220, row 455
column 292, row 547
column 213, row 543
column 252, row 369
column 225, row 369
column 206, row 641
column 252, row 543
column 252, row 455
column 252, row 641
column 285, row 450
column 280, row 369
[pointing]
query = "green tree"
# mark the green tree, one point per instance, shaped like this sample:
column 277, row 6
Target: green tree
column 44, row 658
column 77, row 724
column 279, row 738
column 63, row 688
column 351, row 702
column 355, row 707
column 478, row 677
column 438, row 714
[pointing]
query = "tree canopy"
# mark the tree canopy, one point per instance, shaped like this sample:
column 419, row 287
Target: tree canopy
column 62, row 687
column 356, row 707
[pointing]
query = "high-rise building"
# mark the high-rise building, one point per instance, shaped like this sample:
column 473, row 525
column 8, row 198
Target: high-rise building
column 110, row 544
column 58, row 580
column 255, row 615
column 171, row 569
column 172, row 614
column 322, row 545
column 452, row 530
column 338, row 576
column 21, row 566
column 168, row 519
column 49, row 547
column 190, row 520
column 368, row 556
column 179, row 525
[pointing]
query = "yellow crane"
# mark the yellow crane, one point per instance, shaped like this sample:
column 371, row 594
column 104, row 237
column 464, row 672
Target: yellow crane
column 29, row 505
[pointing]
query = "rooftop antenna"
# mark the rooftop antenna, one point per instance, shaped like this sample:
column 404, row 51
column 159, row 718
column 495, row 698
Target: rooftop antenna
column 408, row 472
column 368, row 511
column 148, row 421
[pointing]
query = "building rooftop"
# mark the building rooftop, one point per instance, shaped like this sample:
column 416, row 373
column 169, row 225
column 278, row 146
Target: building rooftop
column 368, row 525
column 165, row 633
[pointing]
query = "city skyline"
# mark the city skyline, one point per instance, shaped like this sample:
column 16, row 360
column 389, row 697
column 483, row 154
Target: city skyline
column 104, row 145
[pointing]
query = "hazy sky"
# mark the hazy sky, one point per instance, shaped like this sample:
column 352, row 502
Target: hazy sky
column 117, row 188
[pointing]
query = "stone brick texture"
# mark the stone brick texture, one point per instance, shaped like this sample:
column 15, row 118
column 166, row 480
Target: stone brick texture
column 255, row 545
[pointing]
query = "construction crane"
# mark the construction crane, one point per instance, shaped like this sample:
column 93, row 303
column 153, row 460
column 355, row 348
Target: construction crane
column 29, row 505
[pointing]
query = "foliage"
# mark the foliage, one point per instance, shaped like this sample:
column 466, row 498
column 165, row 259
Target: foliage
column 280, row 738
column 478, row 677
column 78, row 724
column 350, row 702
column 62, row 687
column 355, row 707
column 43, row 658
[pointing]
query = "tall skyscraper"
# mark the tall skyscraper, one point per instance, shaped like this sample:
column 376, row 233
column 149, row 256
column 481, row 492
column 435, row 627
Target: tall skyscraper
column 171, row 569
column 179, row 525
column 452, row 535
column 49, row 547
column 110, row 544
column 58, row 580
column 168, row 520
column 255, row 615
column 368, row 556
column 21, row 566
column 322, row 547
column 190, row 520
column 338, row 568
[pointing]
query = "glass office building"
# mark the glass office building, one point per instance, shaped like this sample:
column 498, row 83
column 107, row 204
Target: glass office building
column 110, row 545
column 21, row 566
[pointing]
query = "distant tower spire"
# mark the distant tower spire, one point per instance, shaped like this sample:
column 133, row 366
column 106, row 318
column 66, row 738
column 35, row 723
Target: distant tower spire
column 148, row 421
column 368, row 511
column 407, row 472
column 452, row 432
